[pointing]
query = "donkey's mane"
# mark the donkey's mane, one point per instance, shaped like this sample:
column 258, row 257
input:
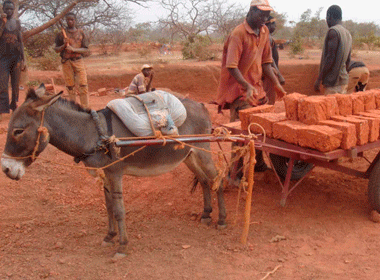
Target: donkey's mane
column 73, row 105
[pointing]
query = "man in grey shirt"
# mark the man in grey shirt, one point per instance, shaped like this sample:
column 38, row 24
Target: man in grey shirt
column 336, row 55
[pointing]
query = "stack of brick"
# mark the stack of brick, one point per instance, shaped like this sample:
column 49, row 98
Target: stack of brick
column 323, row 123
column 245, row 114
column 265, row 122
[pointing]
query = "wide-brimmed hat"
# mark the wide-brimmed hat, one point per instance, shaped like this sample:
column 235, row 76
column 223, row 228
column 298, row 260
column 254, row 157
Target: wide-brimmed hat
column 262, row 5
column 146, row 66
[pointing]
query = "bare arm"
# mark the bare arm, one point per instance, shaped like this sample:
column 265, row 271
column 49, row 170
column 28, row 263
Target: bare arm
column 268, row 71
column 348, row 62
column 281, row 79
column 83, row 51
column 150, row 81
column 332, row 48
column 20, row 40
column 2, row 23
column 251, row 93
column 59, row 48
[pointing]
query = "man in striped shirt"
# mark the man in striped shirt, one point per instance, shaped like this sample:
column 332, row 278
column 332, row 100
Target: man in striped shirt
column 141, row 82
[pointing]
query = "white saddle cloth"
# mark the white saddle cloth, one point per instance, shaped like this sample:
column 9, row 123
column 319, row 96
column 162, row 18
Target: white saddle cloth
column 167, row 113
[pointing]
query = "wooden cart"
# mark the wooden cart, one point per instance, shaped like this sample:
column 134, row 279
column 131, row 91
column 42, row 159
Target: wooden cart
column 292, row 163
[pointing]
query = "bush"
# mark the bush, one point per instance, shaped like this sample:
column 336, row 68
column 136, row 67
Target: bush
column 50, row 61
column 37, row 45
column 198, row 47
column 296, row 46
column 144, row 51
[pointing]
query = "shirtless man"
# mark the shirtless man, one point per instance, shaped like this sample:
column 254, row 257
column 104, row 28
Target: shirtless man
column 12, row 59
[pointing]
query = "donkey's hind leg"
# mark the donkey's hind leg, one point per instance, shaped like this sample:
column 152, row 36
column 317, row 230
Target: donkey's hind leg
column 114, row 177
column 112, row 226
column 202, row 165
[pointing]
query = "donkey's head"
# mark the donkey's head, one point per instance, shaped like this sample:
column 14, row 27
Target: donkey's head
column 26, row 136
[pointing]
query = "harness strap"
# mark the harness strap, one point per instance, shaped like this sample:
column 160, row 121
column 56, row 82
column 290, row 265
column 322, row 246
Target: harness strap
column 102, row 143
column 102, row 134
column 155, row 132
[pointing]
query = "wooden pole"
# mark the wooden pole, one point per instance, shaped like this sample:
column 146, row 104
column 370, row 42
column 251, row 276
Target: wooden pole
column 251, row 173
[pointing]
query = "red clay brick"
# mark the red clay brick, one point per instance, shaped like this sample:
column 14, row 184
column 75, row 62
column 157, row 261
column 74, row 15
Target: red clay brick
column 375, row 111
column 320, row 137
column 266, row 120
column 374, row 126
column 357, row 104
column 244, row 114
column 344, row 104
column 314, row 109
column 291, row 105
column 349, row 132
column 376, row 94
column 362, row 127
column 368, row 100
column 287, row 131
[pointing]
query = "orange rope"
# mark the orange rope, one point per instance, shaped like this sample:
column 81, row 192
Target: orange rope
column 247, row 213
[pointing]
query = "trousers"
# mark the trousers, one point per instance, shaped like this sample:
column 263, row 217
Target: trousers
column 10, row 67
column 74, row 71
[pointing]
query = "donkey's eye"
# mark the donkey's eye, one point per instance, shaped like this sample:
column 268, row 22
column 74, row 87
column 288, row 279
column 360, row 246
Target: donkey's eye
column 18, row 131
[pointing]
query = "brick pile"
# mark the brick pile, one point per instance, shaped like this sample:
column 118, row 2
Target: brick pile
column 323, row 123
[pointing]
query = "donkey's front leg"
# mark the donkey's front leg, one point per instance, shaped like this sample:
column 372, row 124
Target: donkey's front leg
column 115, row 180
column 112, row 226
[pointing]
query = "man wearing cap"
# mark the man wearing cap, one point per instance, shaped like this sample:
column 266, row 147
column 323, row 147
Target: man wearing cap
column 336, row 54
column 142, row 82
column 246, row 55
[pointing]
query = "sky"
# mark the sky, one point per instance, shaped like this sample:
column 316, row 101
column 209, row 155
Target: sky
column 293, row 9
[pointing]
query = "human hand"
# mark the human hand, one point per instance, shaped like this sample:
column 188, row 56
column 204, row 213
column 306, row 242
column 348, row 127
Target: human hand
column 279, row 91
column 281, row 79
column 4, row 17
column 317, row 87
column 66, row 42
column 23, row 65
column 69, row 49
column 251, row 95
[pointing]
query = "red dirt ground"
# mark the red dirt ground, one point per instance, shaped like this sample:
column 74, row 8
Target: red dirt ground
column 54, row 219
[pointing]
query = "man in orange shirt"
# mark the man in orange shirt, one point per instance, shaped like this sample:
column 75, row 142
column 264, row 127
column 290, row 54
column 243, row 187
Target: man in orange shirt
column 246, row 55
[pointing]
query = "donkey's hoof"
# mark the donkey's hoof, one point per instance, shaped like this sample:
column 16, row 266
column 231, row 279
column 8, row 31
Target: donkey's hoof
column 107, row 244
column 221, row 227
column 206, row 221
column 118, row 256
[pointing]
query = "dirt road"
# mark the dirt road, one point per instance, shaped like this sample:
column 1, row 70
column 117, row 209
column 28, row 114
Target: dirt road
column 52, row 221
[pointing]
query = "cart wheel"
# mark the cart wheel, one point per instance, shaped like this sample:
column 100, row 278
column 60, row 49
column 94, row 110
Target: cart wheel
column 300, row 167
column 374, row 187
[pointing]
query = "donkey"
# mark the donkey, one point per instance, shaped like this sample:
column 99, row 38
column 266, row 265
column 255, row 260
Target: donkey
column 71, row 129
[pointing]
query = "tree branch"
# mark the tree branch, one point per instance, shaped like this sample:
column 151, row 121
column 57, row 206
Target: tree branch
column 34, row 31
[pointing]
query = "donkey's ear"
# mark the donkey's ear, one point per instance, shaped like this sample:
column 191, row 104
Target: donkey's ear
column 34, row 94
column 43, row 103
column 40, row 91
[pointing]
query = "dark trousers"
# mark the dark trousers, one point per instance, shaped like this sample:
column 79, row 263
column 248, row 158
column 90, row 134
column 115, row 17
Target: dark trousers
column 235, row 107
column 10, row 66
